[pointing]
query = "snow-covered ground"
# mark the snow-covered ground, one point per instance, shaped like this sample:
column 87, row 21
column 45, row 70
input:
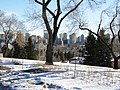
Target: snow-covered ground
column 60, row 76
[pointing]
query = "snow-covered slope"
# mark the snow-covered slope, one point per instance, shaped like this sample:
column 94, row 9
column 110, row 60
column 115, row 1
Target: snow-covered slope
column 60, row 76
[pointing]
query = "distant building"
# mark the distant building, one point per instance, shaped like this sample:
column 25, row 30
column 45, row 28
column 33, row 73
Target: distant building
column 72, row 38
column 27, row 35
column 61, row 39
column 64, row 36
column 82, row 39
column 61, row 36
column 78, row 40
column 57, row 41
column 65, row 40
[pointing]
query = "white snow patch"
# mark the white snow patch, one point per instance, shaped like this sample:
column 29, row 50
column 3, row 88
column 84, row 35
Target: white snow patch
column 63, row 76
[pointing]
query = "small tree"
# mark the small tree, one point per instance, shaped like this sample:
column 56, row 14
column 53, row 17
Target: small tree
column 6, row 51
column 103, row 53
column 30, row 50
column 18, row 52
column 90, row 45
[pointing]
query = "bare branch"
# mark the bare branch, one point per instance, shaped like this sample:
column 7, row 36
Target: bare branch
column 113, row 34
column 99, row 26
column 46, row 7
column 48, row 1
column 69, row 13
column 119, row 36
column 9, row 24
column 101, row 40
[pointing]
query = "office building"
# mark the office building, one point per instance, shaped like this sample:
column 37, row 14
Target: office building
column 72, row 38
column 82, row 39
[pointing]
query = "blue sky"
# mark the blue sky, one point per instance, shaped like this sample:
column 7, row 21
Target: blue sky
column 19, row 8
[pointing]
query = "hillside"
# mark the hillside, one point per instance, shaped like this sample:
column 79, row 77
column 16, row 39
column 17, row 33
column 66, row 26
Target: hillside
column 34, row 75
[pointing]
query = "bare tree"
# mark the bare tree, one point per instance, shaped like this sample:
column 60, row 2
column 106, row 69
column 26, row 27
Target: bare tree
column 57, row 20
column 113, row 36
column 57, row 15
column 20, row 39
column 9, row 24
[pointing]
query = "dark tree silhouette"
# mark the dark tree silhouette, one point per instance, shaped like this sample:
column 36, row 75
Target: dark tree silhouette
column 113, row 36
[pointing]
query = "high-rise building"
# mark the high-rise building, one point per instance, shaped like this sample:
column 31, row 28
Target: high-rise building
column 61, row 39
column 82, row 39
column 61, row 36
column 78, row 39
column 64, row 36
column 72, row 38
column 65, row 40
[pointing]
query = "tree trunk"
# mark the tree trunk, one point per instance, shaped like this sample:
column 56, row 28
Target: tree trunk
column 49, row 51
column 115, row 63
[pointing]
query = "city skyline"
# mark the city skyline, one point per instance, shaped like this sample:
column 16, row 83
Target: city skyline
column 21, row 9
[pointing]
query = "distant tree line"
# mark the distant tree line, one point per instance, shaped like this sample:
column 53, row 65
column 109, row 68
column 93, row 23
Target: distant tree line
column 65, row 55
column 26, row 51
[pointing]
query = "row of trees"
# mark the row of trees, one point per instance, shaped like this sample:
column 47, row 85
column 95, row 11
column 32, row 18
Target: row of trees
column 63, row 56
column 96, row 52
column 53, row 17
column 20, row 49
column 27, row 51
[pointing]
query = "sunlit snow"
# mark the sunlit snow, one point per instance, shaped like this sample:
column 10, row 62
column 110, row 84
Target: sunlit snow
column 60, row 76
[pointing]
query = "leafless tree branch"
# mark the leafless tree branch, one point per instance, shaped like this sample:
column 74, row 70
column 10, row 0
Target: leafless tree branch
column 69, row 13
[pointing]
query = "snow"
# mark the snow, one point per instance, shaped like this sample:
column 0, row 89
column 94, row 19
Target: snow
column 60, row 76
